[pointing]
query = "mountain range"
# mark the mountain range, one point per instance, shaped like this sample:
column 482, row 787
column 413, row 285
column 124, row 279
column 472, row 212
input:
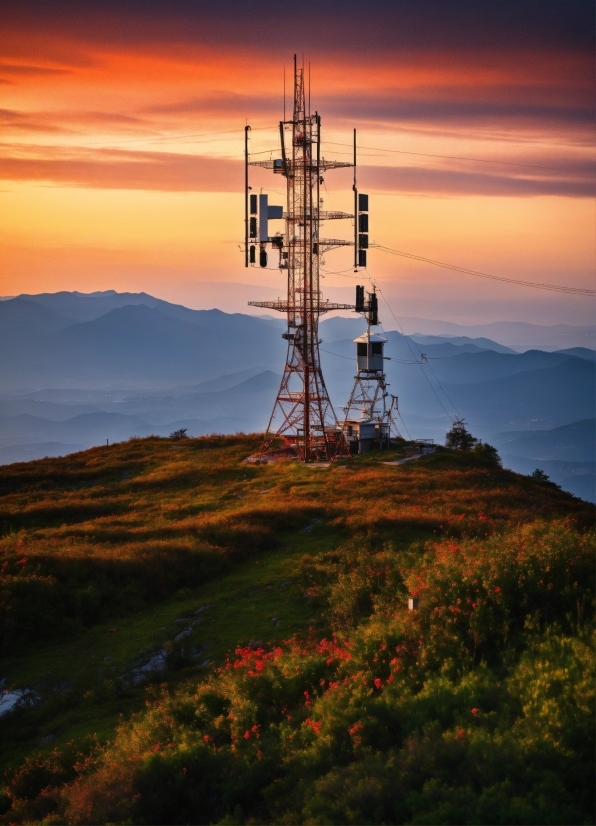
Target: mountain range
column 77, row 370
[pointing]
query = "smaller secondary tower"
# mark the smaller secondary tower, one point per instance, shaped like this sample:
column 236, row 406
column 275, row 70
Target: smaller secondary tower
column 369, row 418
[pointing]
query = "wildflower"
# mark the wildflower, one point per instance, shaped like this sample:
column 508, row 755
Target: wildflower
column 378, row 682
column 246, row 735
column 475, row 711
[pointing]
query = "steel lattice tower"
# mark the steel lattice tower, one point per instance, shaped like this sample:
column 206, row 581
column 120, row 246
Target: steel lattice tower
column 302, row 414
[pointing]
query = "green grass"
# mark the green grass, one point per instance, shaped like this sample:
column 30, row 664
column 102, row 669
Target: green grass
column 92, row 669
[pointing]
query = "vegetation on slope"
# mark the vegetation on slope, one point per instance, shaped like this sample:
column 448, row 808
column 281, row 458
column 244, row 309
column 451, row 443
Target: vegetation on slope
column 477, row 707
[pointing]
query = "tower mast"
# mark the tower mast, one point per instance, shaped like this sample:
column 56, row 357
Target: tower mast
column 302, row 413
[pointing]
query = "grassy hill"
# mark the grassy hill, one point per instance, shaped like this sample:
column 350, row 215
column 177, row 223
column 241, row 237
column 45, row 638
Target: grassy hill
column 187, row 638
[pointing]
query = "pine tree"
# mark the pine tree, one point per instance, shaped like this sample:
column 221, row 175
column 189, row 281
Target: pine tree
column 459, row 438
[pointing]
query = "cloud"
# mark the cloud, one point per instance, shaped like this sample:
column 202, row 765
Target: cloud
column 330, row 25
column 23, row 69
column 443, row 112
column 415, row 179
column 26, row 122
column 173, row 172
column 115, row 169
column 218, row 103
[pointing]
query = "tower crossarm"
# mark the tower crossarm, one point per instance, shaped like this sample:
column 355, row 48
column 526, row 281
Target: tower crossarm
column 282, row 305
column 325, row 165
column 321, row 166
column 326, row 244
column 333, row 216
column 321, row 215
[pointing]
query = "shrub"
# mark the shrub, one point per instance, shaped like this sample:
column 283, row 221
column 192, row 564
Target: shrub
column 487, row 454
column 476, row 708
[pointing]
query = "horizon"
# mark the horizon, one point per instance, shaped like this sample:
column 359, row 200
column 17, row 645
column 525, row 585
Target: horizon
column 336, row 314
column 239, row 308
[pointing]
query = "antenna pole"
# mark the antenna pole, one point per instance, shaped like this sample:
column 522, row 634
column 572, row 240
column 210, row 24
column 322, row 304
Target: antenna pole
column 355, row 188
column 246, row 189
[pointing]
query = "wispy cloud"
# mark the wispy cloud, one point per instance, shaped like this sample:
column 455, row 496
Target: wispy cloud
column 178, row 172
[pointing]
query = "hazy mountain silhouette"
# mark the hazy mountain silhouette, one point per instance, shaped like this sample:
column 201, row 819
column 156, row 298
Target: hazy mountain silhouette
column 137, row 345
column 77, row 369
column 574, row 442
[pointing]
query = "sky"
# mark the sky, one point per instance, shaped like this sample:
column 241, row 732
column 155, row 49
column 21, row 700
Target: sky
column 122, row 128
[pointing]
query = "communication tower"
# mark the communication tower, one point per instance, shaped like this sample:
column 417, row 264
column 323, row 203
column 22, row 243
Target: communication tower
column 302, row 414
column 369, row 421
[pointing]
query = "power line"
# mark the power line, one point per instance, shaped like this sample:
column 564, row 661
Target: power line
column 450, row 157
column 407, row 338
column 558, row 288
column 177, row 137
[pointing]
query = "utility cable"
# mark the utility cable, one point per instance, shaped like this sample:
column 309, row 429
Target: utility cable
column 551, row 287
column 177, row 137
column 449, row 157
column 407, row 338
column 404, row 424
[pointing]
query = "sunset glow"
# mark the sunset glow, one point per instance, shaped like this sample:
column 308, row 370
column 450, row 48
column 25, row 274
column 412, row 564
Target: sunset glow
column 122, row 137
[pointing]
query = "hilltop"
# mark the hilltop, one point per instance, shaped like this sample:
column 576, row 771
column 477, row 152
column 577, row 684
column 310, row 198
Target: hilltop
column 187, row 638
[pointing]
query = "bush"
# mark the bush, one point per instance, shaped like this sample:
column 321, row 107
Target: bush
column 487, row 454
column 475, row 709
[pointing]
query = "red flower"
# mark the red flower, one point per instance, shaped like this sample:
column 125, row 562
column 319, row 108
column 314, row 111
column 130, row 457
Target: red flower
column 378, row 682
column 475, row 711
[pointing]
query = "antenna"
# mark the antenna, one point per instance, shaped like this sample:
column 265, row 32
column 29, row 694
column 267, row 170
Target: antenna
column 355, row 188
column 246, row 191
column 284, row 92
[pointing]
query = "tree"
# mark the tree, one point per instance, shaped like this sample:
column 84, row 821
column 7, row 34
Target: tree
column 179, row 434
column 459, row 438
column 540, row 476
column 488, row 454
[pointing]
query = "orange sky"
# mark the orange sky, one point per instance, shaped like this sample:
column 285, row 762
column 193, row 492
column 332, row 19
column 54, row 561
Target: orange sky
column 122, row 130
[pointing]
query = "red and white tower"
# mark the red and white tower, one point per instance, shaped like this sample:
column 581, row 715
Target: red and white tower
column 302, row 414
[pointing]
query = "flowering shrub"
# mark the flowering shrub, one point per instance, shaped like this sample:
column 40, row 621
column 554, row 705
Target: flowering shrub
column 476, row 708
